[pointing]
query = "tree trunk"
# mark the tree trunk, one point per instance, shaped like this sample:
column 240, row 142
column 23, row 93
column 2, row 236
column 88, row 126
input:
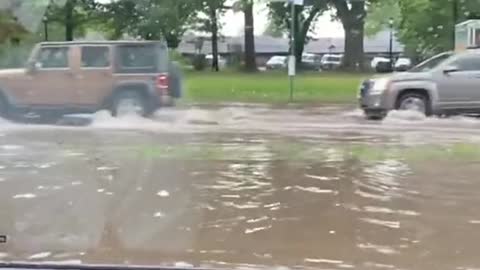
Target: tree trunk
column 214, row 26
column 250, row 61
column 69, row 20
column 353, row 20
column 301, row 32
column 299, row 48
column 354, row 51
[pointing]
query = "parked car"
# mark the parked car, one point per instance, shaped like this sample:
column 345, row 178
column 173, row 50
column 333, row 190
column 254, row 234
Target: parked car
column 311, row 61
column 80, row 77
column 277, row 62
column 445, row 84
column 378, row 59
column 381, row 64
column 222, row 62
column 331, row 61
column 403, row 64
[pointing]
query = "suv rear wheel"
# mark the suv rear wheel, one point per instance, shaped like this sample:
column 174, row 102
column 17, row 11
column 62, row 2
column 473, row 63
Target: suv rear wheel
column 413, row 101
column 129, row 103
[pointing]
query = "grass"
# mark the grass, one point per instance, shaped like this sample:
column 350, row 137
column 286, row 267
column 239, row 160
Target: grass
column 271, row 87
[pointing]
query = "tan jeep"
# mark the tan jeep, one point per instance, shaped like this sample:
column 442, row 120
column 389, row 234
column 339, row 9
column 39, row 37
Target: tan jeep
column 80, row 77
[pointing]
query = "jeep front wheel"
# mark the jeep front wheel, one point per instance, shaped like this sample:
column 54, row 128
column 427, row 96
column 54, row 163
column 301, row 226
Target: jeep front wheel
column 129, row 103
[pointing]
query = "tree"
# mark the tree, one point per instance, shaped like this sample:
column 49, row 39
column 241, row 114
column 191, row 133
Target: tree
column 249, row 35
column 149, row 19
column 379, row 14
column 352, row 15
column 246, row 6
column 304, row 16
column 274, row 30
column 119, row 18
column 422, row 35
column 73, row 14
column 10, row 29
column 212, row 9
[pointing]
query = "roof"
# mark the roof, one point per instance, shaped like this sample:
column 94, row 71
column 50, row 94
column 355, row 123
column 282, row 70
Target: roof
column 469, row 23
column 271, row 45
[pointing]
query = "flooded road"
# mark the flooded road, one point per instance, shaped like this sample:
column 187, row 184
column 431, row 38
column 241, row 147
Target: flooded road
column 245, row 187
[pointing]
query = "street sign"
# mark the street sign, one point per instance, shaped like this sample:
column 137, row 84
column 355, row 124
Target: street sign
column 291, row 65
column 296, row 2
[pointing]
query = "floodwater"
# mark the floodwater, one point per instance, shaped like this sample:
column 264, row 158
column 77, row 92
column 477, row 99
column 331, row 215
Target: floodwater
column 244, row 186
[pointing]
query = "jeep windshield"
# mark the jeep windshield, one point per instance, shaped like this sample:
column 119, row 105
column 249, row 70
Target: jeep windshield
column 432, row 63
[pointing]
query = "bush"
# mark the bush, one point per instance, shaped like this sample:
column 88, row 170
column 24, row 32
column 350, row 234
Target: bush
column 199, row 62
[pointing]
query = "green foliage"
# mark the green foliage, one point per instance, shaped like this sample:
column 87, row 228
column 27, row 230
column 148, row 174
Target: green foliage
column 274, row 30
column 205, row 10
column 149, row 19
column 305, row 18
column 9, row 27
column 433, row 33
column 84, row 14
column 378, row 15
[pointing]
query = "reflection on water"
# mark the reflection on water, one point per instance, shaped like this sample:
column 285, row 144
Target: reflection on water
column 341, row 200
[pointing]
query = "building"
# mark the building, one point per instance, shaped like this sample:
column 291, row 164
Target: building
column 267, row 46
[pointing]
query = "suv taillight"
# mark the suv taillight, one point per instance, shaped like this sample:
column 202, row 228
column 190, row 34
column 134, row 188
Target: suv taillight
column 162, row 82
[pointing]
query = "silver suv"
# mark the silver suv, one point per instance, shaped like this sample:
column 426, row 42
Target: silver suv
column 448, row 83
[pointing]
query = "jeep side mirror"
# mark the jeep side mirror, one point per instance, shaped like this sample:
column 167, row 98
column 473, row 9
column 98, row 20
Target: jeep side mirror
column 449, row 69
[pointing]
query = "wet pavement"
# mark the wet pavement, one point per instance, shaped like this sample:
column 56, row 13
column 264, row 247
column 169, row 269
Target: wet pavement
column 244, row 186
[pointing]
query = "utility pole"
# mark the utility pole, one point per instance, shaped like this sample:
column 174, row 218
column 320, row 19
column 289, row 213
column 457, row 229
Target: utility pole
column 390, row 47
column 292, row 60
column 455, row 21
column 45, row 27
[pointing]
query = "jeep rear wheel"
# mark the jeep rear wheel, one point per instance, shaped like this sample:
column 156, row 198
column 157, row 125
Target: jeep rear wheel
column 129, row 103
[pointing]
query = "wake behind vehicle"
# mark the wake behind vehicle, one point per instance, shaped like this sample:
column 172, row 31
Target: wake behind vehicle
column 84, row 77
column 445, row 84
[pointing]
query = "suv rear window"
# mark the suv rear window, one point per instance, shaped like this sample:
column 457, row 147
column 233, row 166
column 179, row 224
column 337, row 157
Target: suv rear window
column 141, row 58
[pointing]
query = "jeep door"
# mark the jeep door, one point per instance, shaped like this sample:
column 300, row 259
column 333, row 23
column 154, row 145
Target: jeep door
column 93, row 76
column 459, row 88
column 50, row 82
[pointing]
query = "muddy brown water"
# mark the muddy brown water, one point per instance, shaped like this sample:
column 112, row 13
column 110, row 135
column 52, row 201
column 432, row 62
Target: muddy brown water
column 244, row 187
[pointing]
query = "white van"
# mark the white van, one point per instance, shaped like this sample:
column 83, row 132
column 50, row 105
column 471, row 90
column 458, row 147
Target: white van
column 331, row 61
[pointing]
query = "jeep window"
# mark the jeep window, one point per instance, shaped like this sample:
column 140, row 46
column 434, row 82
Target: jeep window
column 468, row 63
column 141, row 58
column 53, row 57
column 95, row 57
column 432, row 62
